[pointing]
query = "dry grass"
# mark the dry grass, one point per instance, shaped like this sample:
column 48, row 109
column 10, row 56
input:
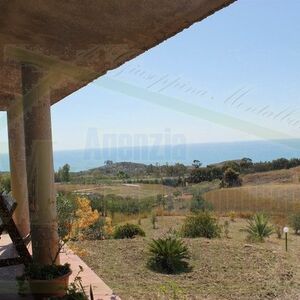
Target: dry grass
column 222, row 268
column 271, row 198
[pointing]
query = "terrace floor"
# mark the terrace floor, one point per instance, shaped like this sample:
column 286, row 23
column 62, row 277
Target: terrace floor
column 8, row 285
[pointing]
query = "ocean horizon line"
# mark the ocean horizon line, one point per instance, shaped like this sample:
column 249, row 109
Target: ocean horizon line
column 206, row 153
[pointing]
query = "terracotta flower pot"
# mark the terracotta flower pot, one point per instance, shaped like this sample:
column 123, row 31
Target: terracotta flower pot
column 56, row 287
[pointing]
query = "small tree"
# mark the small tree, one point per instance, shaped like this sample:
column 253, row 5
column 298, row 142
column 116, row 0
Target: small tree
column 108, row 163
column 85, row 214
column 63, row 174
column 258, row 228
column 196, row 163
column 231, row 178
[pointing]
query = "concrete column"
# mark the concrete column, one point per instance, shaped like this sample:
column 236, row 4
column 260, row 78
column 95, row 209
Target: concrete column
column 39, row 165
column 16, row 142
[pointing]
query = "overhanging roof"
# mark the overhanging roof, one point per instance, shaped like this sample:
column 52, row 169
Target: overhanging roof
column 77, row 41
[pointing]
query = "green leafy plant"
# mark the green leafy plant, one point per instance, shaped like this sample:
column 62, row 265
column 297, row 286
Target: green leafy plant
column 203, row 224
column 258, row 227
column 170, row 290
column 45, row 272
column 76, row 290
column 39, row 272
column 66, row 208
column 168, row 255
column 128, row 231
column 295, row 222
column 177, row 193
column 49, row 280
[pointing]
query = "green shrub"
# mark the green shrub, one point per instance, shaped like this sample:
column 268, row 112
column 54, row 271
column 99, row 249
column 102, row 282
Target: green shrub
column 66, row 207
column 174, row 182
column 128, row 231
column 168, row 255
column 231, row 178
column 202, row 224
column 295, row 222
column 111, row 204
column 177, row 193
column 258, row 228
column 200, row 204
column 5, row 184
column 44, row 272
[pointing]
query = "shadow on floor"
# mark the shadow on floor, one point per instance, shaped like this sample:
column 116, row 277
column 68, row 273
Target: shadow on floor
column 8, row 283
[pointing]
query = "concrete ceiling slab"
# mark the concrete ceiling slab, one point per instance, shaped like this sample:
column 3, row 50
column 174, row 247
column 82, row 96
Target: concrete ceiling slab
column 77, row 41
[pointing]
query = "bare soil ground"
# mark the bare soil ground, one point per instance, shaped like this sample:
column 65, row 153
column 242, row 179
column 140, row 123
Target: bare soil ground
column 225, row 268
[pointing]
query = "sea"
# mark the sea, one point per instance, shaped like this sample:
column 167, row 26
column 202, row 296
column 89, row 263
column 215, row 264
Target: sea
column 206, row 153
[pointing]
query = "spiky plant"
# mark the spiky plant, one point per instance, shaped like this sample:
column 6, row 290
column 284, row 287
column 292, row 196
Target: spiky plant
column 168, row 255
column 258, row 227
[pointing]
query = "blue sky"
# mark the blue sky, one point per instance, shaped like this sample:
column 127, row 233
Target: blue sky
column 231, row 77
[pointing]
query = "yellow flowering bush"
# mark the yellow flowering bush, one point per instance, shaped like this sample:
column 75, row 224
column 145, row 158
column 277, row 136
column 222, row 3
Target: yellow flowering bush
column 85, row 217
column 79, row 221
column 84, row 213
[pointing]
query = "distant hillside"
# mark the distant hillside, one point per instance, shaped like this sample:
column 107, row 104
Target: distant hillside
column 273, row 177
column 129, row 168
column 222, row 163
column 280, row 170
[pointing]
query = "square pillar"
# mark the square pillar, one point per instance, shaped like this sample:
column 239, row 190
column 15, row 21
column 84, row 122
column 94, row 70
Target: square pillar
column 39, row 165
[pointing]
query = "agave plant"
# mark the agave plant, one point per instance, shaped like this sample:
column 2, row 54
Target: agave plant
column 168, row 255
column 258, row 228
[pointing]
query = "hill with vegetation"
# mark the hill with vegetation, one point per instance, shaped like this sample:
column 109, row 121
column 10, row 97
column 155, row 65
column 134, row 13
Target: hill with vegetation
column 114, row 169
column 291, row 175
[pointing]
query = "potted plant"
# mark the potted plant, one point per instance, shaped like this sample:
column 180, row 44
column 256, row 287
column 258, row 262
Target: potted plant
column 44, row 281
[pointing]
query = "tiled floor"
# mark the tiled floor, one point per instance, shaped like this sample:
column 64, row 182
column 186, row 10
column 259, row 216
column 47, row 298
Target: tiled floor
column 8, row 287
